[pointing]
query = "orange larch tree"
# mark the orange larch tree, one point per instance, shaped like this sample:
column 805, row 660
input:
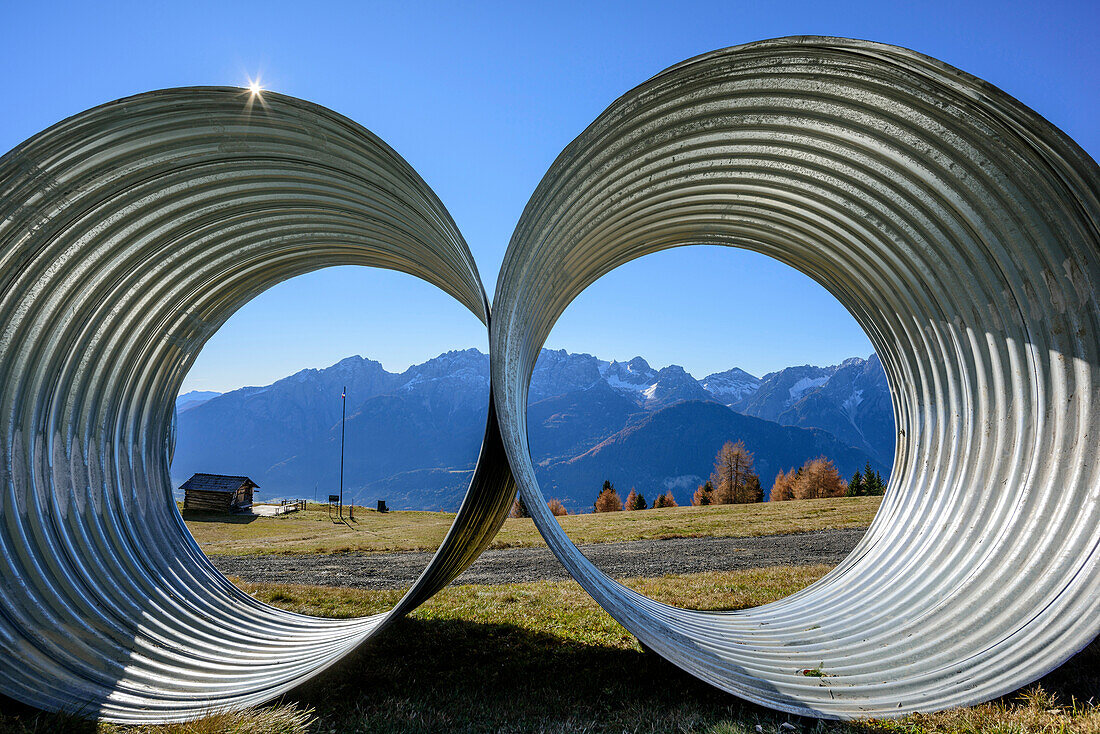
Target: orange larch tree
column 608, row 499
column 819, row 478
column 733, row 478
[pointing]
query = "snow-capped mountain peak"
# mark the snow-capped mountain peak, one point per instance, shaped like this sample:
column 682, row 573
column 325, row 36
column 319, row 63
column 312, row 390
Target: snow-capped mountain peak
column 671, row 385
column 731, row 386
column 559, row 372
column 633, row 375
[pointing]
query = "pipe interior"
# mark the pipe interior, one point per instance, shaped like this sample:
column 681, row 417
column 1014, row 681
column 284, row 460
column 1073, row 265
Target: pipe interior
column 128, row 235
column 960, row 230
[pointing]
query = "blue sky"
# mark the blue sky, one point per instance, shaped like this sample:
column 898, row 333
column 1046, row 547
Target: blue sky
column 517, row 82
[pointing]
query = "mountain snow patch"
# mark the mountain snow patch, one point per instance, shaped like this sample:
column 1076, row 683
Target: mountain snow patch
column 799, row 388
column 853, row 401
column 615, row 382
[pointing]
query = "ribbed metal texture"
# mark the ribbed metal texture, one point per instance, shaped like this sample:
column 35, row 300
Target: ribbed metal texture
column 959, row 228
column 962, row 231
column 128, row 235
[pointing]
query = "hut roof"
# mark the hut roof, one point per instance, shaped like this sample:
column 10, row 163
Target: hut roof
column 218, row 483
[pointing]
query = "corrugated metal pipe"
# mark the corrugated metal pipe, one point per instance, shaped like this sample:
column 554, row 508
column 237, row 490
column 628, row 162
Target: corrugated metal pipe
column 958, row 227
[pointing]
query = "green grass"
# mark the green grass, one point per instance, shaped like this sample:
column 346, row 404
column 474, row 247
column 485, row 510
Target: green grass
column 543, row 657
column 313, row 532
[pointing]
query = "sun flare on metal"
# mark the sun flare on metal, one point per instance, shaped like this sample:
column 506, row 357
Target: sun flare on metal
column 128, row 235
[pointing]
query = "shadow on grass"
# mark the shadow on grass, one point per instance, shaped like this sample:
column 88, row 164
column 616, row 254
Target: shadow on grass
column 460, row 676
column 1078, row 679
column 453, row 675
column 18, row 718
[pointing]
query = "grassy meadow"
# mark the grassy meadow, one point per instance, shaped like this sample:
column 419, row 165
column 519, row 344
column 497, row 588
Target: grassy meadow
column 312, row 531
column 543, row 657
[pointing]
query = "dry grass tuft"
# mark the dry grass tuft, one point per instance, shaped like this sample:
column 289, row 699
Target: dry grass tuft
column 277, row 719
column 1034, row 710
column 284, row 719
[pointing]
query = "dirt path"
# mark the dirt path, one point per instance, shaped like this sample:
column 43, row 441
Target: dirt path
column 620, row 560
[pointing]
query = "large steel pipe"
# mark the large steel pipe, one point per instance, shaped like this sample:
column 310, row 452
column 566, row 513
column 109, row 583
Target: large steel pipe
column 128, row 235
column 962, row 231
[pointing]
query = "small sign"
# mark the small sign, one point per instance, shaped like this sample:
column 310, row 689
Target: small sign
column 333, row 498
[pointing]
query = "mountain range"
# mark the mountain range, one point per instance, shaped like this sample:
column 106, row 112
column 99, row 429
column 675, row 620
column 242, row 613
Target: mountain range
column 412, row 438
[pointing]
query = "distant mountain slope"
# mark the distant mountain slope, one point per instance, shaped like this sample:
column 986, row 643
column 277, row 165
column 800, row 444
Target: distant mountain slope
column 850, row 400
column 413, row 438
column 287, row 436
column 560, row 372
column 854, row 405
column 674, row 448
column 778, row 391
column 256, row 430
column 570, row 424
column 194, row 398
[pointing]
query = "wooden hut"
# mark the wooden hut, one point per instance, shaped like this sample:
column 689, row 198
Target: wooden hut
column 217, row 493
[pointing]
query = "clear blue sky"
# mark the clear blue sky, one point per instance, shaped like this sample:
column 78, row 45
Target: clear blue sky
column 517, row 83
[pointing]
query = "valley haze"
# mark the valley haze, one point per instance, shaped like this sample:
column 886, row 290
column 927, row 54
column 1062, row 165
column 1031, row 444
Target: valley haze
column 412, row 438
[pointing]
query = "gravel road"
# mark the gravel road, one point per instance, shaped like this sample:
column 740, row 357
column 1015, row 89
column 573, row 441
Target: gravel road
column 619, row 560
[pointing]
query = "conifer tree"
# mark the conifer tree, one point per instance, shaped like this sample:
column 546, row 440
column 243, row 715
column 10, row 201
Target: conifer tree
column 782, row 487
column 753, row 492
column 665, row 500
column 608, row 499
column 733, row 474
column 873, row 486
column 704, row 495
column 855, row 487
column 819, row 478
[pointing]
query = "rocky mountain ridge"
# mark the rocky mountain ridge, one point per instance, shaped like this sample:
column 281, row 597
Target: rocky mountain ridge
column 412, row 437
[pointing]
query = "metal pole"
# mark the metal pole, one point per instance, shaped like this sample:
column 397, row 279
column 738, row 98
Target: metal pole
column 343, row 415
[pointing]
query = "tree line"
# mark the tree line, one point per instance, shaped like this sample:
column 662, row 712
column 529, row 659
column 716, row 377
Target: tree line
column 733, row 481
column 608, row 500
column 519, row 509
column 867, row 483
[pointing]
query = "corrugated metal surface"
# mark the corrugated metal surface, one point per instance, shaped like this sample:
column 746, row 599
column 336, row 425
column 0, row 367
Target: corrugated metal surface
column 957, row 226
column 962, row 231
column 128, row 235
